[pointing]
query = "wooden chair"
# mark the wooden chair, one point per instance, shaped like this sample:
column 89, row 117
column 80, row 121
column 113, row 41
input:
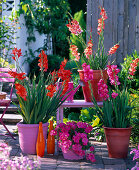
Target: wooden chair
column 5, row 77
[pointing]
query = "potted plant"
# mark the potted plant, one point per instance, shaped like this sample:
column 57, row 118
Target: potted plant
column 37, row 101
column 73, row 139
column 97, row 59
column 115, row 114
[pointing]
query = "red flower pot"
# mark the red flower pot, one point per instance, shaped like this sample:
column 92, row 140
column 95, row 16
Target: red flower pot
column 117, row 141
column 94, row 84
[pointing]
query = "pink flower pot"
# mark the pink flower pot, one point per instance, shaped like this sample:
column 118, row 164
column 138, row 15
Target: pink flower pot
column 28, row 136
column 70, row 155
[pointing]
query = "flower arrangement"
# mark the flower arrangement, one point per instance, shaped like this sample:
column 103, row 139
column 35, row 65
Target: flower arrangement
column 75, row 136
column 116, row 110
column 39, row 101
column 16, row 163
column 136, row 157
column 97, row 59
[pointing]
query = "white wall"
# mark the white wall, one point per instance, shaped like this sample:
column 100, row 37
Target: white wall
column 22, row 34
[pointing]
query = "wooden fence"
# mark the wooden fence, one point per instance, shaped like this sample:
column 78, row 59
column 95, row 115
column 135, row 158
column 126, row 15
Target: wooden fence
column 121, row 26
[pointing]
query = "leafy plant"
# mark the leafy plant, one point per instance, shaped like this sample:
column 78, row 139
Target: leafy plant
column 7, row 32
column 116, row 110
column 39, row 101
column 133, row 81
column 48, row 18
column 78, row 16
column 134, row 117
column 98, row 59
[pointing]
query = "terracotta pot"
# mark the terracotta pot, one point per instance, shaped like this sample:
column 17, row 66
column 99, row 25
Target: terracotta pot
column 94, row 84
column 70, row 155
column 3, row 95
column 117, row 141
column 28, row 136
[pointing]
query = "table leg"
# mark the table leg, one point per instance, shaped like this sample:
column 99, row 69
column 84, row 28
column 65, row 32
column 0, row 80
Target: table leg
column 61, row 114
column 57, row 116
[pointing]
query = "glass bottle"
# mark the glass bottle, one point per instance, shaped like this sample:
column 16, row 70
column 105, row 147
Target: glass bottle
column 40, row 145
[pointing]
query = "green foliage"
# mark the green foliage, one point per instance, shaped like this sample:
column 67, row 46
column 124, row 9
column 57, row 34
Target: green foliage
column 49, row 18
column 78, row 16
column 116, row 112
column 7, row 31
column 131, row 83
column 38, row 107
column 135, row 117
column 73, row 116
column 77, row 6
column 89, row 115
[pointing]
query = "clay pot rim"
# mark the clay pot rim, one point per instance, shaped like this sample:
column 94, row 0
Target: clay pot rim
column 117, row 128
column 20, row 124
column 94, row 70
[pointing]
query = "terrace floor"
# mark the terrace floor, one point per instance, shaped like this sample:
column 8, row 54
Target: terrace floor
column 57, row 162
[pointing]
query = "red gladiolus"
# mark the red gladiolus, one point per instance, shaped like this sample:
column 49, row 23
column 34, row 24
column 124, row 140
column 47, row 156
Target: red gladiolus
column 113, row 49
column 88, row 51
column 43, row 62
column 74, row 27
column 133, row 66
column 19, row 76
column 17, row 52
column 52, row 89
column 103, row 14
column 21, row 91
column 75, row 53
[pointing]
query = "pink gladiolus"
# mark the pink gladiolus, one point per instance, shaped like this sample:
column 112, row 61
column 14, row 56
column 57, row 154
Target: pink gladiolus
column 88, row 73
column 103, row 89
column 114, row 95
column 112, row 72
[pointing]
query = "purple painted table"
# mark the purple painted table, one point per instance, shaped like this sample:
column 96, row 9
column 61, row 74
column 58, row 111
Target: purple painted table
column 75, row 103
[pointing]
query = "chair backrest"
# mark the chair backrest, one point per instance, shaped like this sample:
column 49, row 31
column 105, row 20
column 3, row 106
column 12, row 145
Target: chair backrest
column 5, row 77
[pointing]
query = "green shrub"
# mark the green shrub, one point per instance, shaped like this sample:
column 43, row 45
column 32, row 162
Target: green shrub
column 135, row 117
column 131, row 83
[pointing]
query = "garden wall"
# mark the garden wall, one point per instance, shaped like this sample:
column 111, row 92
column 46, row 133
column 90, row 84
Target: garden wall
column 121, row 26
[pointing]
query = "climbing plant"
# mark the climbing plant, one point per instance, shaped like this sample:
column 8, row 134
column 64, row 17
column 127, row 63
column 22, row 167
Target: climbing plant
column 48, row 17
column 7, row 35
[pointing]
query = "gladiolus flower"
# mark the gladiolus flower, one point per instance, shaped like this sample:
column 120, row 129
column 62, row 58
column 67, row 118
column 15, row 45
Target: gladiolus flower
column 74, row 27
column 88, row 51
column 43, row 62
column 114, row 95
column 112, row 72
column 19, row 76
column 101, row 24
column 17, row 52
column 21, row 91
column 103, row 89
column 52, row 89
column 133, row 66
column 113, row 49
column 88, row 73
column 74, row 50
